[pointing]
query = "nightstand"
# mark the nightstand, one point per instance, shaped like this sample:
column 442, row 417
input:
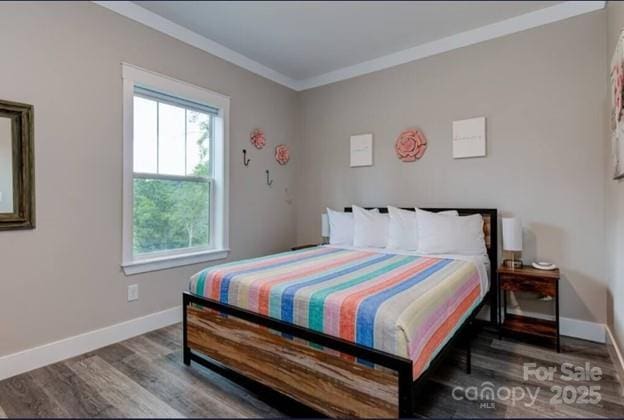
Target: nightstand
column 529, row 279
column 298, row 247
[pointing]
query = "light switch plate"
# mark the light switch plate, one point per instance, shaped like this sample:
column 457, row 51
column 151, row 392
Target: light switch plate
column 133, row 292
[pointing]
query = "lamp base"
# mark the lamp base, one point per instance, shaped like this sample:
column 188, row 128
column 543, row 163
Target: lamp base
column 513, row 264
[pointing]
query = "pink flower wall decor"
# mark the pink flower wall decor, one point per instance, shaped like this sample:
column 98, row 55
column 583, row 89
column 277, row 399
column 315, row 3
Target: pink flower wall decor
column 617, row 108
column 410, row 145
column 257, row 138
column 282, row 154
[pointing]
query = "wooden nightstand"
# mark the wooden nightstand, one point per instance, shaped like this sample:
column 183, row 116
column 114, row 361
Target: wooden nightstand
column 298, row 247
column 528, row 279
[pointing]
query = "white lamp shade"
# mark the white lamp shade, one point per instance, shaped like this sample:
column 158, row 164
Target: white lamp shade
column 512, row 234
column 324, row 225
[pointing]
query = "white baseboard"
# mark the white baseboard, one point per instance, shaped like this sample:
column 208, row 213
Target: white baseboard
column 26, row 360
column 571, row 327
column 586, row 330
column 618, row 359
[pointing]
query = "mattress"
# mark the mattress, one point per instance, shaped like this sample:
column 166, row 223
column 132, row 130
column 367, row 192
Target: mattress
column 402, row 303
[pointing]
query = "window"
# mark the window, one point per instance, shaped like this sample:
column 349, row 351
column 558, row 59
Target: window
column 175, row 186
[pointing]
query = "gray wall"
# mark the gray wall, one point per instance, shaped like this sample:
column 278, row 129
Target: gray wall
column 615, row 202
column 6, row 166
column 543, row 94
column 542, row 91
column 64, row 278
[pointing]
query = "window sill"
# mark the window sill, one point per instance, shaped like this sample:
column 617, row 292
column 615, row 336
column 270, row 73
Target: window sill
column 172, row 261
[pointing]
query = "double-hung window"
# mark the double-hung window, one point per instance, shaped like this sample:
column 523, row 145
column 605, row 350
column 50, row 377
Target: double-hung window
column 175, row 172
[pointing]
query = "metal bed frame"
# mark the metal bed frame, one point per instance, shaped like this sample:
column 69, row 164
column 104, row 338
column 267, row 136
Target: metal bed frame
column 409, row 387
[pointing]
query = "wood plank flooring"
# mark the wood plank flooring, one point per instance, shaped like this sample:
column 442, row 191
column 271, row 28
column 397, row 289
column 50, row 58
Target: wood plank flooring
column 145, row 377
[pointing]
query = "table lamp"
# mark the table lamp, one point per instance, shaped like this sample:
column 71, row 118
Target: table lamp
column 324, row 227
column 512, row 240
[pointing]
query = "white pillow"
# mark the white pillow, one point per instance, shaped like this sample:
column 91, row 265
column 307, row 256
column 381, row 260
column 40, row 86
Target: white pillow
column 403, row 228
column 340, row 227
column 370, row 228
column 441, row 234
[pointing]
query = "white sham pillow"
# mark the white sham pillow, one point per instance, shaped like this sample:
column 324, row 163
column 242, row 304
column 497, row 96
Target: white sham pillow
column 370, row 228
column 340, row 227
column 440, row 234
column 403, row 228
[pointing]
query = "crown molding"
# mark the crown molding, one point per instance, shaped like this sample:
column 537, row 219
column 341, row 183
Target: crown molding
column 509, row 26
column 159, row 23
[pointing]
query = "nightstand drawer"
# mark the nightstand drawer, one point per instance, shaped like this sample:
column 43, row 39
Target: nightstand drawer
column 524, row 284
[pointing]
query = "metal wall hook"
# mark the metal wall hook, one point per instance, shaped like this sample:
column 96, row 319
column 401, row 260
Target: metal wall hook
column 269, row 182
column 245, row 160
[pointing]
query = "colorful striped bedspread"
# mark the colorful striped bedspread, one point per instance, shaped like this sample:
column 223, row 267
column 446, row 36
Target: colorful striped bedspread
column 403, row 304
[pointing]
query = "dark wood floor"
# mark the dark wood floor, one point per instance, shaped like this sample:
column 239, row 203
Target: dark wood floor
column 145, row 377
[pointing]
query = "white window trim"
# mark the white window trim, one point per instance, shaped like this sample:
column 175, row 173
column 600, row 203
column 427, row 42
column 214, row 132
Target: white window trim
column 133, row 75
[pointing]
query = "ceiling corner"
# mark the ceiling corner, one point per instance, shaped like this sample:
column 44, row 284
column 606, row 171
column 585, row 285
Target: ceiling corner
column 148, row 18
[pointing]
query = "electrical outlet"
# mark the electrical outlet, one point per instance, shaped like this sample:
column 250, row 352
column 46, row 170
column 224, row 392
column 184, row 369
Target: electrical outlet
column 133, row 292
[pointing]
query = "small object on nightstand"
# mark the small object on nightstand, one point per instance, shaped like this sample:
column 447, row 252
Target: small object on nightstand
column 512, row 240
column 528, row 279
column 298, row 247
column 542, row 265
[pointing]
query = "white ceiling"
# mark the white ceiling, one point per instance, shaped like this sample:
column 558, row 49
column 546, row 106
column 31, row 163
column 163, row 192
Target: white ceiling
column 309, row 43
column 306, row 39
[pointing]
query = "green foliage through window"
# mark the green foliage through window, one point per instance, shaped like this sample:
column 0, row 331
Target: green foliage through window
column 170, row 215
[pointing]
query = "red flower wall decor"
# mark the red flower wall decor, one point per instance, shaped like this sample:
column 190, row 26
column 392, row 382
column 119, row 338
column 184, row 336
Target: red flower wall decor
column 410, row 145
column 257, row 138
column 282, row 154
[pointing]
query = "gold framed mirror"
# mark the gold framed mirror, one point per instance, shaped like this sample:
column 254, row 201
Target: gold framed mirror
column 17, row 170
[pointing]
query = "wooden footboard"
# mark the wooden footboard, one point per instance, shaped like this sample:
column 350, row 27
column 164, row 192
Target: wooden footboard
column 329, row 381
column 333, row 376
column 325, row 382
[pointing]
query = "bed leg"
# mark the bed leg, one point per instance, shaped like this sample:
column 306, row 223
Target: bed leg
column 186, row 350
column 468, row 358
column 469, row 348
column 406, row 392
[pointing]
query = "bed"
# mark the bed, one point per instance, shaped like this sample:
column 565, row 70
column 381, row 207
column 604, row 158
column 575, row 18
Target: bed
column 345, row 331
